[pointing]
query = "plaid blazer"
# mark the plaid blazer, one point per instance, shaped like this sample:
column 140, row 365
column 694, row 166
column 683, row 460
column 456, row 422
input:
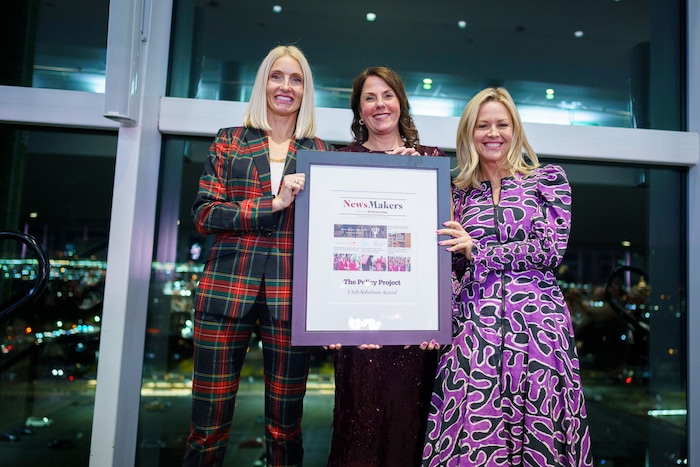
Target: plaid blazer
column 234, row 202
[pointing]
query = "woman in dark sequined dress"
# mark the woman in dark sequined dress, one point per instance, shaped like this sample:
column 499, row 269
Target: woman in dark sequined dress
column 382, row 393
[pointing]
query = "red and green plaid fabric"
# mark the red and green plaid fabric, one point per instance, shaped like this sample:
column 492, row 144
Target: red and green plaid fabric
column 234, row 202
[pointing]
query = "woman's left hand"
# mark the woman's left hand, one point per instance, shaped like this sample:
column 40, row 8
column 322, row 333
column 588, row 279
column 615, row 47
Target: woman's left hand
column 432, row 345
column 292, row 184
column 460, row 241
column 404, row 151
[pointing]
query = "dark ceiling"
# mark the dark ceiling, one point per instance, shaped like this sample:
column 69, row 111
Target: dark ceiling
column 529, row 40
column 525, row 45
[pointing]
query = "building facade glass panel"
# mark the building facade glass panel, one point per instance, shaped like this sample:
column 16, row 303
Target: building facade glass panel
column 59, row 187
column 588, row 63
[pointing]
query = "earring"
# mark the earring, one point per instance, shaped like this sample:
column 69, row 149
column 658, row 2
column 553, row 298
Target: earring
column 361, row 122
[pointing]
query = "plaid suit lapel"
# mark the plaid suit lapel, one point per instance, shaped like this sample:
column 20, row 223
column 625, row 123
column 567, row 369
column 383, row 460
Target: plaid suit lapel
column 306, row 143
column 256, row 140
column 291, row 165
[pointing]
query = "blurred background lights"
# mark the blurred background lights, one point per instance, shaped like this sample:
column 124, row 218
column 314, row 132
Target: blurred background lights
column 277, row 8
column 427, row 83
column 371, row 16
column 462, row 24
column 549, row 93
column 578, row 34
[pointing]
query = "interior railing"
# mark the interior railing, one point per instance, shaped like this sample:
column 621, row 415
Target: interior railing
column 25, row 263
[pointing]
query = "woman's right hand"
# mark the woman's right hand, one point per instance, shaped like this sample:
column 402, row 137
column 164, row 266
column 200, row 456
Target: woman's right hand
column 460, row 241
column 369, row 346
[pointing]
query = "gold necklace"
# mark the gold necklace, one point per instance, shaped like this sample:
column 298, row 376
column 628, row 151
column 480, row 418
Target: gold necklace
column 278, row 144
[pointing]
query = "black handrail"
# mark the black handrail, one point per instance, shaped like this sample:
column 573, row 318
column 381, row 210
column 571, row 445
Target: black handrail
column 621, row 311
column 43, row 270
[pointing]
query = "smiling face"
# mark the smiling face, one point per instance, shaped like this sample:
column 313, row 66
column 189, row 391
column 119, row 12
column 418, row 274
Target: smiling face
column 285, row 87
column 380, row 108
column 493, row 133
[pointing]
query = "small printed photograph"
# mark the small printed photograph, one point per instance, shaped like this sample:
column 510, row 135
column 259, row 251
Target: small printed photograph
column 398, row 263
column 346, row 262
column 359, row 231
column 400, row 240
column 373, row 263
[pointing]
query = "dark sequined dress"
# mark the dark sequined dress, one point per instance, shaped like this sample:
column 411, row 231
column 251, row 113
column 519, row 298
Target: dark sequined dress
column 381, row 406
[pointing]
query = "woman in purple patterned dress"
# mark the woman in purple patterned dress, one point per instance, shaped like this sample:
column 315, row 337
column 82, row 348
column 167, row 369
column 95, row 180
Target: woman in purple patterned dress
column 381, row 393
column 508, row 390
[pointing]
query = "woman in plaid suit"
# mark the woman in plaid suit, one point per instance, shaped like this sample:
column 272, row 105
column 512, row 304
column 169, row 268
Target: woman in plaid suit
column 246, row 199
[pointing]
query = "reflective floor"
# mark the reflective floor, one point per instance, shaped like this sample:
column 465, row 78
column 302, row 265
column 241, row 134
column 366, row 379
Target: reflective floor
column 621, row 426
column 165, row 420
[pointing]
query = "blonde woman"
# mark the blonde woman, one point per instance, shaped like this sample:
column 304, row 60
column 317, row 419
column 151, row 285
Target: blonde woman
column 508, row 390
column 246, row 200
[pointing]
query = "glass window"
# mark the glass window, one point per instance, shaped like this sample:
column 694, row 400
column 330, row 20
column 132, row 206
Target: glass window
column 55, row 44
column 57, row 187
column 589, row 63
column 621, row 276
column 592, row 63
column 166, row 386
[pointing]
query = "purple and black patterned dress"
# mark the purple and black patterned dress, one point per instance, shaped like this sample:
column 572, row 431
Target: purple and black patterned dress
column 508, row 390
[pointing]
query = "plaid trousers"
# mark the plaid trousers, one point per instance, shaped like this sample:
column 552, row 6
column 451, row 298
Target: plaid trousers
column 220, row 346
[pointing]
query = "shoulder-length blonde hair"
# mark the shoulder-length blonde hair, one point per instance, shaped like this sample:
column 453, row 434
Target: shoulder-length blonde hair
column 467, row 157
column 407, row 129
column 255, row 115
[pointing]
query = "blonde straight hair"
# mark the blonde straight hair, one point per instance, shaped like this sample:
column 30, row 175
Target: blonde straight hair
column 467, row 157
column 255, row 115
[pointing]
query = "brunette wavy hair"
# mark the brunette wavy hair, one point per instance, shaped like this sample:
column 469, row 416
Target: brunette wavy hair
column 407, row 128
